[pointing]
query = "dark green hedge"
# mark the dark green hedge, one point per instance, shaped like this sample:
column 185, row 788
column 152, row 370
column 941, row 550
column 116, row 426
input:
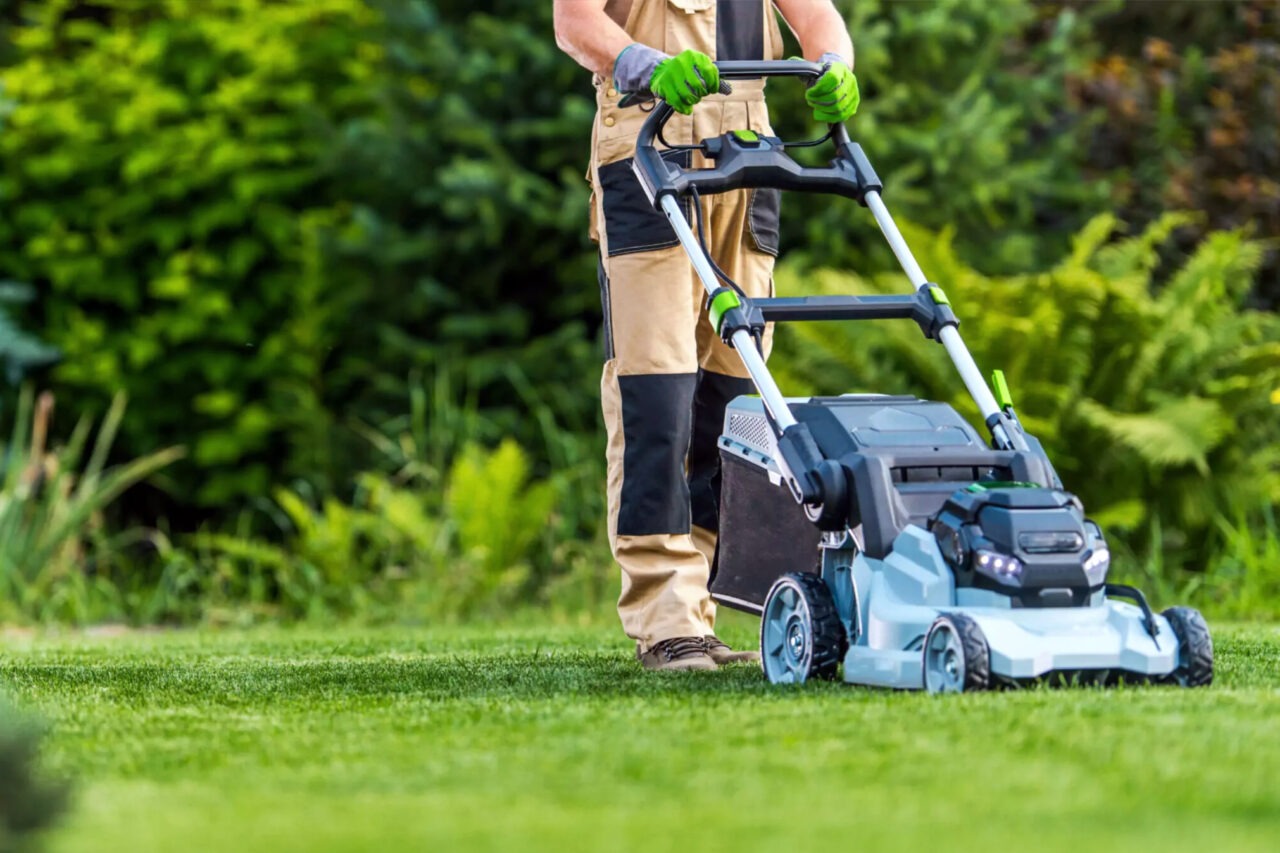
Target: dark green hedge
column 259, row 218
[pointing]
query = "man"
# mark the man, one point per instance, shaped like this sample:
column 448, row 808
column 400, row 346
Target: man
column 667, row 376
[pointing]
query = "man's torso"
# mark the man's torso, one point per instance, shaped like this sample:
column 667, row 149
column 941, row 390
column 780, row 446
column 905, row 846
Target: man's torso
column 733, row 29
column 619, row 10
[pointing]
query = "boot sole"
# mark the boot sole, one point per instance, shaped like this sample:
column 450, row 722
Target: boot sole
column 753, row 657
column 692, row 665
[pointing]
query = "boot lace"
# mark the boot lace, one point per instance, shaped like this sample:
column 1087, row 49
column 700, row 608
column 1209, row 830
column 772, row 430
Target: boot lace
column 679, row 648
column 711, row 641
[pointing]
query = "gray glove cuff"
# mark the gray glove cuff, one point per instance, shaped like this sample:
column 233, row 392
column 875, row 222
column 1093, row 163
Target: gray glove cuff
column 828, row 58
column 633, row 68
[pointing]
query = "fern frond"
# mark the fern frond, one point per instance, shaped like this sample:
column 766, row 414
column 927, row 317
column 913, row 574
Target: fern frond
column 1179, row 432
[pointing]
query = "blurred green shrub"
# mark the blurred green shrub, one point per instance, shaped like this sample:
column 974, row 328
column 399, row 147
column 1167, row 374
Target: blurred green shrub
column 20, row 351
column 1155, row 394
column 966, row 116
column 164, row 175
column 1192, row 112
column 469, row 218
column 443, row 529
column 259, row 217
column 29, row 803
column 395, row 549
column 455, row 521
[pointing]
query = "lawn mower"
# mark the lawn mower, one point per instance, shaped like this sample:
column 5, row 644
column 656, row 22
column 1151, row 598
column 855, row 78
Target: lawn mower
column 883, row 533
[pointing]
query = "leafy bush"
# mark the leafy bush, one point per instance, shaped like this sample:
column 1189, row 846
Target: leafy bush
column 966, row 117
column 258, row 217
column 1240, row 579
column 469, row 224
column 395, row 548
column 1192, row 116
column 1152, row 392
column 56, row 560
column 165, row 172
column 28, row 802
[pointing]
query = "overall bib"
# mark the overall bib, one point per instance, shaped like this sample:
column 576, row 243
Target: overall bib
column 667, row 376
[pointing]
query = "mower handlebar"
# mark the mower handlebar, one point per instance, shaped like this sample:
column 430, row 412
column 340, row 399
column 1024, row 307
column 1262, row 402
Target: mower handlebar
column 743, row 159
column 750, row 69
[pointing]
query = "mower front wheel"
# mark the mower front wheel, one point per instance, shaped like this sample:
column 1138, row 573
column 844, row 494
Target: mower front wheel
column 956, row 656
column 801, row 635
column 1195, row 647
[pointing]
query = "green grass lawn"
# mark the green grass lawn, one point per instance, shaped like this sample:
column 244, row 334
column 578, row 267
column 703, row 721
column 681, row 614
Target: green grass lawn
column 529, row 739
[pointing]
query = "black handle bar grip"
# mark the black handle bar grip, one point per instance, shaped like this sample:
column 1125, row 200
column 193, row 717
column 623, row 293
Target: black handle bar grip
column 749, row 69
column 849, row 174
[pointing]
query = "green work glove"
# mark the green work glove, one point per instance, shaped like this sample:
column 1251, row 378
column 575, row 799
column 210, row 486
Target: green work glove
column 684, row 79
column 835, row 96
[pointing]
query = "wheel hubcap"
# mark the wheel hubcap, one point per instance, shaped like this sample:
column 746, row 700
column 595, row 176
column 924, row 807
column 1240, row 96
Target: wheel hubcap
column 785, row 633
column 795, row 639
column 943, row 661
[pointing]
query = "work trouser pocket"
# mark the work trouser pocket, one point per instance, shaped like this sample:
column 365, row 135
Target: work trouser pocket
column 631, row 223
column 764, row 212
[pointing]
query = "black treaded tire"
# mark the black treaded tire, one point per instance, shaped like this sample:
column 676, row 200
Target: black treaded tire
column 801, row 635
column 955, row 657
column 1195, row 647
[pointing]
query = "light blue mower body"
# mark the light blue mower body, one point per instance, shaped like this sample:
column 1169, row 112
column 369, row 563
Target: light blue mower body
column 902, row 619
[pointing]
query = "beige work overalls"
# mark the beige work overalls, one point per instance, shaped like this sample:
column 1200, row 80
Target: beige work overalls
column 667, row 376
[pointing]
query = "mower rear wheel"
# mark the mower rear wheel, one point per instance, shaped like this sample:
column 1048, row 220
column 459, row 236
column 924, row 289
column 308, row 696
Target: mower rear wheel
column 956, row 656
column 801, row 635
column 1195, row 647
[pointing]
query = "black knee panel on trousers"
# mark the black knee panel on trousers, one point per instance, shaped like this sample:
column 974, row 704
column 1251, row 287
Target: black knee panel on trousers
column 714, row 392
column 657, row 420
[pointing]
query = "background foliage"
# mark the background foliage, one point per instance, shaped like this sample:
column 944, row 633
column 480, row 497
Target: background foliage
column 167, row 175
column 967, row 118
column 1190, row 93
column 336, row 250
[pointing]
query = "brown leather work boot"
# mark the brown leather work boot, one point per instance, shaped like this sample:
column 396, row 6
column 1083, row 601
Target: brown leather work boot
column 677, row 654
column 720, row 652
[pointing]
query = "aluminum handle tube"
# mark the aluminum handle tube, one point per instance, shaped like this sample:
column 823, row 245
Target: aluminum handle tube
column 891, row 233
column 742, row 342
column 769, row 392
column 950, row 336
column 977, row 386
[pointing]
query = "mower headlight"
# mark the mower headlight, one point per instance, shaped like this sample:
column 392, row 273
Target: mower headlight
column 997, row 565
column 1098, row 562
column 1051, row 541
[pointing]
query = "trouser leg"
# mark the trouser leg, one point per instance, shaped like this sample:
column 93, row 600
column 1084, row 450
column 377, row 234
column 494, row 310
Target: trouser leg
column 654, row 403
column 648, row 389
